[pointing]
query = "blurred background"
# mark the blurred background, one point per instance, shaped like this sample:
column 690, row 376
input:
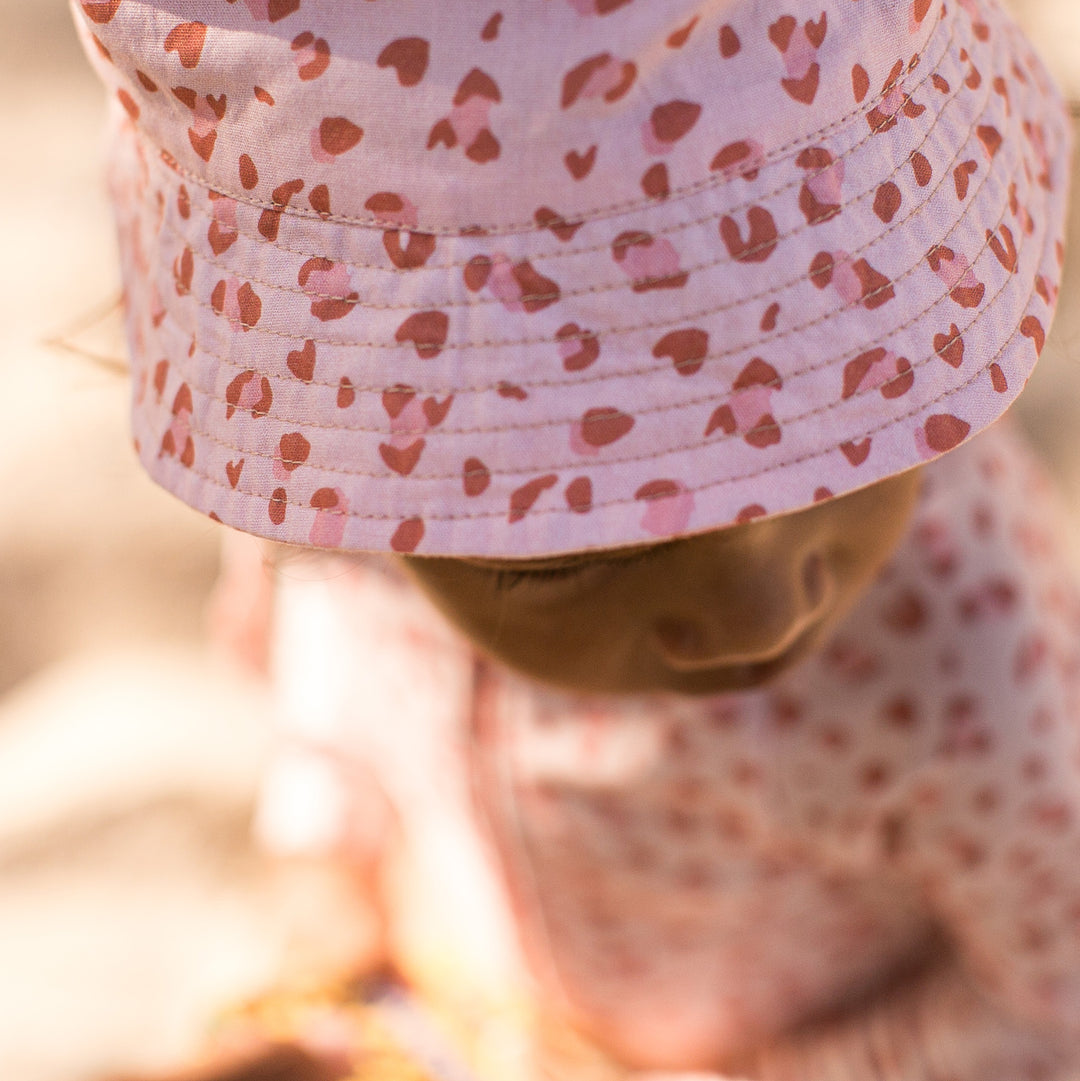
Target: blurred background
column 132, row 903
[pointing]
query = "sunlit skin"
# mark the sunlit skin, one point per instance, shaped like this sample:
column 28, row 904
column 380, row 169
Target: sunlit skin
column 721, row 611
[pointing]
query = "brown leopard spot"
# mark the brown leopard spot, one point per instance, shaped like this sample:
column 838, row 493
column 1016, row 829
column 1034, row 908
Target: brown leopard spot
column 475, row 477
column 324, row 499
column 876, row 288
column 395, row 399
column 944, row 432
column 686, row 348
column 580, row 165
column 233, row 471
column 547, row 218
column 407, row 536
column 537, row 292
column 588, row 346
column 780, row 32
column 579, row 495
column 435, row 411
column 731, row 155
column 403, row 460
column 749, row 513
column 759, row 244
column 768, row 320
column 320, row 200
column 655, row 183
column 338, row 135
column 301, row 362
column 605, row 425
column 249, row 173
column 408, row 57
column 1032, row 328
column 765, row 432
column 678, row 38
column 821, row 269
column 280, row 9
column 950, row 346
column 131, row 106
column 856, row 453
column 887, row 201
column 860, row 83
column 523, row 498
column 922, row 169
column 1003, row 247
column 657, row 489
column 183, row 271
column 319, row 63
column 101, row 11
column 990, row 138
column 968, row 296
column 250, row 306
column 346, row 394
column 427, row 331
column 997, row 378
column 961, row 176
column 186, row 40
column 293, row 450
column 491, row 27
column 804, row 90
column 577, row 78
column 476, row 273
column 277, row 505
column 415, row 253
column 235, row 390
column 477, row 84
column 815, row 31
column 672, row 120
column 203, row 145
column 511, row 391
column 161, row 375
column 729, row 42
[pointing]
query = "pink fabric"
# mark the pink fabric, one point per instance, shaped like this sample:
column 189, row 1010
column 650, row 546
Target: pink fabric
column 486, row 279
column 726, row 865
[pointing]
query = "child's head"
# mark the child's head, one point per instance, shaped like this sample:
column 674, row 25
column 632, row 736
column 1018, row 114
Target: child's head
column 719, row 611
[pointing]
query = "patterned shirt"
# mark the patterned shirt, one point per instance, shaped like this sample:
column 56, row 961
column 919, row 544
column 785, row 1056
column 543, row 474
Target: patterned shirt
column 715, row 870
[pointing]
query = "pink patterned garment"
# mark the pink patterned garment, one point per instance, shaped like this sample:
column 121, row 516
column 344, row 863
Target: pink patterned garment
column 713, row 870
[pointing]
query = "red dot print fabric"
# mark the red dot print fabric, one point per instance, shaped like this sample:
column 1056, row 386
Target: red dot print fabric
column 713, row 871
column 523, row 278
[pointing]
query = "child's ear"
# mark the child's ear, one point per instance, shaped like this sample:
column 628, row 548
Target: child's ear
column 275, row 1062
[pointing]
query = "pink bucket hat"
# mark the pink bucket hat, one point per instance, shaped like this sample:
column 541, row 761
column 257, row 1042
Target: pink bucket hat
column 517, row 278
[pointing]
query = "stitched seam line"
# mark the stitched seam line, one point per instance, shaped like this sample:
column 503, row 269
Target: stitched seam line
column 488, row 301
column 561, row 252
column 609, row 462
column 612, row 210
column 832, row 362
column 602, row 378
column 535, row 511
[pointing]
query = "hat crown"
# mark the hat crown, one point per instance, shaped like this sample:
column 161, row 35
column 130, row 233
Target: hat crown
column 448, row 117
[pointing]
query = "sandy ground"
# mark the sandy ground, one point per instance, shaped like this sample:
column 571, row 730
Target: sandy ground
column 131, row 901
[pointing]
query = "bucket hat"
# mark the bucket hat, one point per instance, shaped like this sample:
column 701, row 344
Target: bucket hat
column 529, row 276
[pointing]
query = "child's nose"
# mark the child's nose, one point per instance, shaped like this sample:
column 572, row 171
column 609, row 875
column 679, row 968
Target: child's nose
column 755, row 621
